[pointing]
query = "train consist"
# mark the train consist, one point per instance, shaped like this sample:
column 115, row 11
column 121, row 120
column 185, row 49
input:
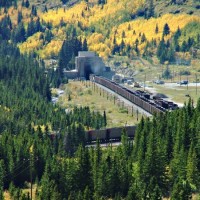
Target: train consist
column 109, row 134
column 140, row 98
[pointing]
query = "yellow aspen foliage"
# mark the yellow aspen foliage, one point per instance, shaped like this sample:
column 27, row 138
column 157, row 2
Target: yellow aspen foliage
column 88, row 15
column 51, row 48
column 71, row 15
column 113, row 6
column 95, row 38
column 147, row 27
column 32, row 44
column 101, row 48
column 13, row 13
column 97, row 16
column 60, row 33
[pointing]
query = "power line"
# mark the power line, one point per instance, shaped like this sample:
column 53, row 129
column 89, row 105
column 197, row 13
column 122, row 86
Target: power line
column 13, row 175
column 17, row 167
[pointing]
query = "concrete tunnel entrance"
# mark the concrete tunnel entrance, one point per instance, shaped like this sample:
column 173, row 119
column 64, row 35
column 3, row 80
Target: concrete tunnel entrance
column 88, row 71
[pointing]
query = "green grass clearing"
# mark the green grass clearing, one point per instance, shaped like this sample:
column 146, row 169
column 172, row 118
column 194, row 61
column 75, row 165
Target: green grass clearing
column 83, row 95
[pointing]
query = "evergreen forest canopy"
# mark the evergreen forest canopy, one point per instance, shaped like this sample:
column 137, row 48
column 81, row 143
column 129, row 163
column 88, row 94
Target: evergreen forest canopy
column 29, row 119
column 39, row 136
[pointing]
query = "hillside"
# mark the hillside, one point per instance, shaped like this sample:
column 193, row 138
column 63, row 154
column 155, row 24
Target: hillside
column 44, row 152
column 111, row 27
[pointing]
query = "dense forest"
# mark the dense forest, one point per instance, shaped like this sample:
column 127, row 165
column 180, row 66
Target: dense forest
column 29, row 120
column 40, row 137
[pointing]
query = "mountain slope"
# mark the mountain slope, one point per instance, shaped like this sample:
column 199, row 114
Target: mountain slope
column 113, row 27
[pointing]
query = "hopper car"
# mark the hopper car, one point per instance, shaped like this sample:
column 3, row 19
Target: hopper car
column 110, row 134
column 140, row 98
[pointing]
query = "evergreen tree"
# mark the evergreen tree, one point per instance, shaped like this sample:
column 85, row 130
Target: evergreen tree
column 34, row 10
column 171, row 54
column 150, row 9
column 176, row 38
column 192, row 167
column 23, row 3
column 143, row 38
column 84, row 45
column 2, row 173
column 181, row 190
column 31, row 28
column 184, row 46
column 156, row 29
column 68, row 51
column 136, row 46
column 19, row 17
column 166, row 30
column 161, row 48
column 27, row 4
column 19, row 34
column 38, row 26
column 48, row 36
column 5, row 28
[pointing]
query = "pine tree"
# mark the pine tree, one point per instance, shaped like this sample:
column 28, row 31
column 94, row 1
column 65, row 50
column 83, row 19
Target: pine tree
column 184, row 46
column 154, row 163
column 48, row 36
column 166, row 30
column 31, row 28
column 38, row 26
column 181, row 190
column 95, row 169
column 136, row 46
column 19, row 17
column 192, row 167
column 84, row 168
column 143, row 38
column 27, row 4
column 23, row 3
column 84, row 45
column 150, row 9
column 2, row 173
column 156, row 29
column 19, row 34
column 34, row 10
column 171, row 54
column 176, row 38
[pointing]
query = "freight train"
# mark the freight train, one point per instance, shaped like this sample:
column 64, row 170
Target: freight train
column 109, row 134
column 140, row 98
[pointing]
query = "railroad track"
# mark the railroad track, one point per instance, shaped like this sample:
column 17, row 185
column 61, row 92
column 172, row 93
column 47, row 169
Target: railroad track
column 140, row 98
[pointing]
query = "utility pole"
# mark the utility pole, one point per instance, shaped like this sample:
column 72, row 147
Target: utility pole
column 132, row 111
column 31, row 170
column 144, row 81
column 196, row 83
